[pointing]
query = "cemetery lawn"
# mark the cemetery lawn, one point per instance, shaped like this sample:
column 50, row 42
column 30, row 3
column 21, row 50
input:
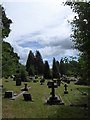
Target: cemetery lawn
column 37, row 108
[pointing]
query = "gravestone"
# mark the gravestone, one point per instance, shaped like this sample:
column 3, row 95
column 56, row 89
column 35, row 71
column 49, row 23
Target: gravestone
column 42, row 81
column 18, row 82
column 65, row 91
column 53, row 99
column 8, row 94
column 25, row 88
column 27, row 97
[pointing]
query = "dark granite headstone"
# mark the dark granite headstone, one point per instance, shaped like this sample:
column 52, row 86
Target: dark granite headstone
column 8, row 94
column 27, row 97
column 18, row 82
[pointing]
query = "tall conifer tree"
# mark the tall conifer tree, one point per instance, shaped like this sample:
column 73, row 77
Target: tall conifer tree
column 55, row 72
column 39, row 63
column 47, row 73
column 62, row 68
column 30, row 63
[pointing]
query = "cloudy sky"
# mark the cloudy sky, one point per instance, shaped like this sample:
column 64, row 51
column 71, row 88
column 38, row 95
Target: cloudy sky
column 40, row 25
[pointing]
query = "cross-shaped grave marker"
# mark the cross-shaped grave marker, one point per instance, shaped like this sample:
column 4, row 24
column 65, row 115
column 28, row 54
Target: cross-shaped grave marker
column 53, row 99
column 53, row 86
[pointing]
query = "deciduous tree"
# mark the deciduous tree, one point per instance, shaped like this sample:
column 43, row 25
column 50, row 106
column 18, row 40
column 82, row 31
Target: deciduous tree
column 81, row 33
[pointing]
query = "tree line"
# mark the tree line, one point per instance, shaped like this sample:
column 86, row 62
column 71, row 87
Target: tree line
column 36, row 66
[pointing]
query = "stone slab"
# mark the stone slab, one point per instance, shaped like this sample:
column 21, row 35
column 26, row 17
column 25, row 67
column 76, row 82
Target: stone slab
column 9, row 94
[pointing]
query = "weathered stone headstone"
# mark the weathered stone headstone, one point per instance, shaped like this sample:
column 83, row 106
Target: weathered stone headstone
column 65, row 91
column 53, row 99
column 8, row 94
column 18, row 81
column 27, row 97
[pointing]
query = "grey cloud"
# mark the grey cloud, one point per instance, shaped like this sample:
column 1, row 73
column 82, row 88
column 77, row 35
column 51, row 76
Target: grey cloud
column 29, row 35
column 64, row 43
column 41, row 40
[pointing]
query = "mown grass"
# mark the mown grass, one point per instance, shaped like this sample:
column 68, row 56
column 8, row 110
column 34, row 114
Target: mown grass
column 19, row 108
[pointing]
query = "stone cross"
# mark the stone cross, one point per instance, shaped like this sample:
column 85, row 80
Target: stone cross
column 65, row 87
column 26, row 89
column 51, row 85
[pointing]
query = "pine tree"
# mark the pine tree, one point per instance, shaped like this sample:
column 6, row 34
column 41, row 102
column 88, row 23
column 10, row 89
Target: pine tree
column 47, row 74
column 57, row 64
column 30, row 63
column 55, row 72
column 62, row 68
column 38, row 63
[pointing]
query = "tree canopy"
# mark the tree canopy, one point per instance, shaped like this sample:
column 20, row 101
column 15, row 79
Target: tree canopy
column 10, row 59
column 34, row 64
column 5, row 23
column 81, row 33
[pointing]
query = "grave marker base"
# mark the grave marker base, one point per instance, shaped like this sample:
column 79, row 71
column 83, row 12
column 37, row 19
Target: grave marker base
column 65, row 92
column 55, row 101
